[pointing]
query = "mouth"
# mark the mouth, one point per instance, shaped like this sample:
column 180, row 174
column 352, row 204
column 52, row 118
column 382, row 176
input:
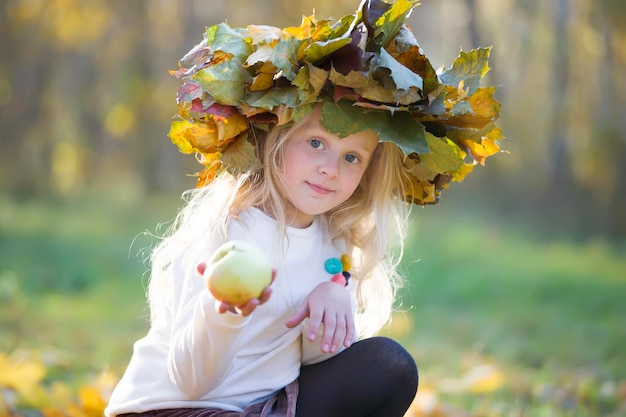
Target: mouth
column 319, row 189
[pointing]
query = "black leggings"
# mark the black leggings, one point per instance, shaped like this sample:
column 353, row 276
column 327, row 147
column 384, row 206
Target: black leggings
column 375, row 377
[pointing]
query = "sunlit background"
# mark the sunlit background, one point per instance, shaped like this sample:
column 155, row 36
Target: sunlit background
column 516, row 280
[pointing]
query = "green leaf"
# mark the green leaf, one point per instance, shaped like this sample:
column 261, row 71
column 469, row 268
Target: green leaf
column 461, row 108
column 309, row 81
column 240, row 155
column 344, row 119
column 353, row 79
column 362, row 84
column 273, row 97
column 319, row 51
column 442, row 156
column 469, row 67
column 403, row 78
column 285, row 58
column 388, row 25
column 375, row 92
column 230, row 41
column 342, row 28
column 225, row 81
column 468, row 133
column 301, row 111
column 209, row 34
column 408, row 53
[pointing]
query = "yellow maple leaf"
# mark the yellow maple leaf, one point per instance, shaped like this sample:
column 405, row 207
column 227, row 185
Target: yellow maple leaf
column 20, row 374
column 485, row 378
column 263, row 81
column 228, row 129
column 212, row 166
column 484, row 104
column 92, row 401
column 53, row 412
column 462, row 172
column 481, row 379
column 420, row 192
column 480, row 151
column 487, row 146
column 304, row 30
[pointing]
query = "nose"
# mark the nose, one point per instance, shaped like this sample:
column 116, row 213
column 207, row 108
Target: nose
column 329, row 167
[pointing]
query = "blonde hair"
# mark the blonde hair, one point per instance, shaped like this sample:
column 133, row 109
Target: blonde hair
column 372, row 223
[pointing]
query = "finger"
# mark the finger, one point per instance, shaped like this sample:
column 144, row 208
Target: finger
column 350, row 332
column 298, row 316
column 315, row 321
column 330, row 324
column 222, row 307
column 248, row 307
column 339, row 335
column 265, row 295
column 201, row 267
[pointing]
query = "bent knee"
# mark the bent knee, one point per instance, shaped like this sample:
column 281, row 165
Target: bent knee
column 391, row 355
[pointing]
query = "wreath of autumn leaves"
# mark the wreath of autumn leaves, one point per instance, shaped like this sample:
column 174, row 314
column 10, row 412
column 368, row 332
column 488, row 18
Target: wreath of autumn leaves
column 368, row 71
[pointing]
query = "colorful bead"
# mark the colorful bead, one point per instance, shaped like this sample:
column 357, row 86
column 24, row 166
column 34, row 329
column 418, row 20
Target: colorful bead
column 339, row 269
column 339, row 279
column 346, row 262
column 333, row 266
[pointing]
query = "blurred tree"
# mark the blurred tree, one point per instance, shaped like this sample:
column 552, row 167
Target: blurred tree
column 588, row 143
column 560, row 190
column 86, row 99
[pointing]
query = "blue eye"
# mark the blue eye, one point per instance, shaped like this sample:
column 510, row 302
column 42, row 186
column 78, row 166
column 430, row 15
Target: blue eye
column 315, row 143
column 351, row 158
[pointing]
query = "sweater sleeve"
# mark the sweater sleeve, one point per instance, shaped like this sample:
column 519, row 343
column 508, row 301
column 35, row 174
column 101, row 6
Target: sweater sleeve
column 203, row 342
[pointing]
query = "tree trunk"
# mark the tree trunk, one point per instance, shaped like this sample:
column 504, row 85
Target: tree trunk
column 560, row 190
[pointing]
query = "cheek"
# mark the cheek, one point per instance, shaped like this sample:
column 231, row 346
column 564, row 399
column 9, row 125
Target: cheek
column 296, row 160
column 290, row 167
column 354, row 180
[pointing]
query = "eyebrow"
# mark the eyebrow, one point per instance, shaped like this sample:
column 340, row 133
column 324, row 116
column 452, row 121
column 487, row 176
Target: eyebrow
column 361, row 146
column 363, row 151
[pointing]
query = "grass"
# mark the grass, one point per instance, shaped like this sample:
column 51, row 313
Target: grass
column 550, row 314
column 545, row 316
column 73, row 277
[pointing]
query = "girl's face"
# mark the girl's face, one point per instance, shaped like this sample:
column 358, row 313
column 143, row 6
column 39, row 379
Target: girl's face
column 320, row 170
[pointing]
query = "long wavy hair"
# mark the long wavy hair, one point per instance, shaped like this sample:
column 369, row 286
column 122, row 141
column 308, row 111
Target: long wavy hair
column 372, row 223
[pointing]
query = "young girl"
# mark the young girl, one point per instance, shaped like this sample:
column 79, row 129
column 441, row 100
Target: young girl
column 322, row 188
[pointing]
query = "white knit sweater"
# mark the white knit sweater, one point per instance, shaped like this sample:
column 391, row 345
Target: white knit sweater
column 193, row 357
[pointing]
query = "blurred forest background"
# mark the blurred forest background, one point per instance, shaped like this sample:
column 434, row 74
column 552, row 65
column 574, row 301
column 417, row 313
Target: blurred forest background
column 86, row 98
column 523, row 266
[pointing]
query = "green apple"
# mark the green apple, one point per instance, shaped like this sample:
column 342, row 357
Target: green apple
column 237, row 272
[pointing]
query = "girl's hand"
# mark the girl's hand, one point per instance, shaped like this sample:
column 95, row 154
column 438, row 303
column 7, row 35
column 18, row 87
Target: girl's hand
column 328, row 304
column 244, row 309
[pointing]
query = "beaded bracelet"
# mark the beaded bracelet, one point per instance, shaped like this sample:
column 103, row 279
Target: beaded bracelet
column 339, row 269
